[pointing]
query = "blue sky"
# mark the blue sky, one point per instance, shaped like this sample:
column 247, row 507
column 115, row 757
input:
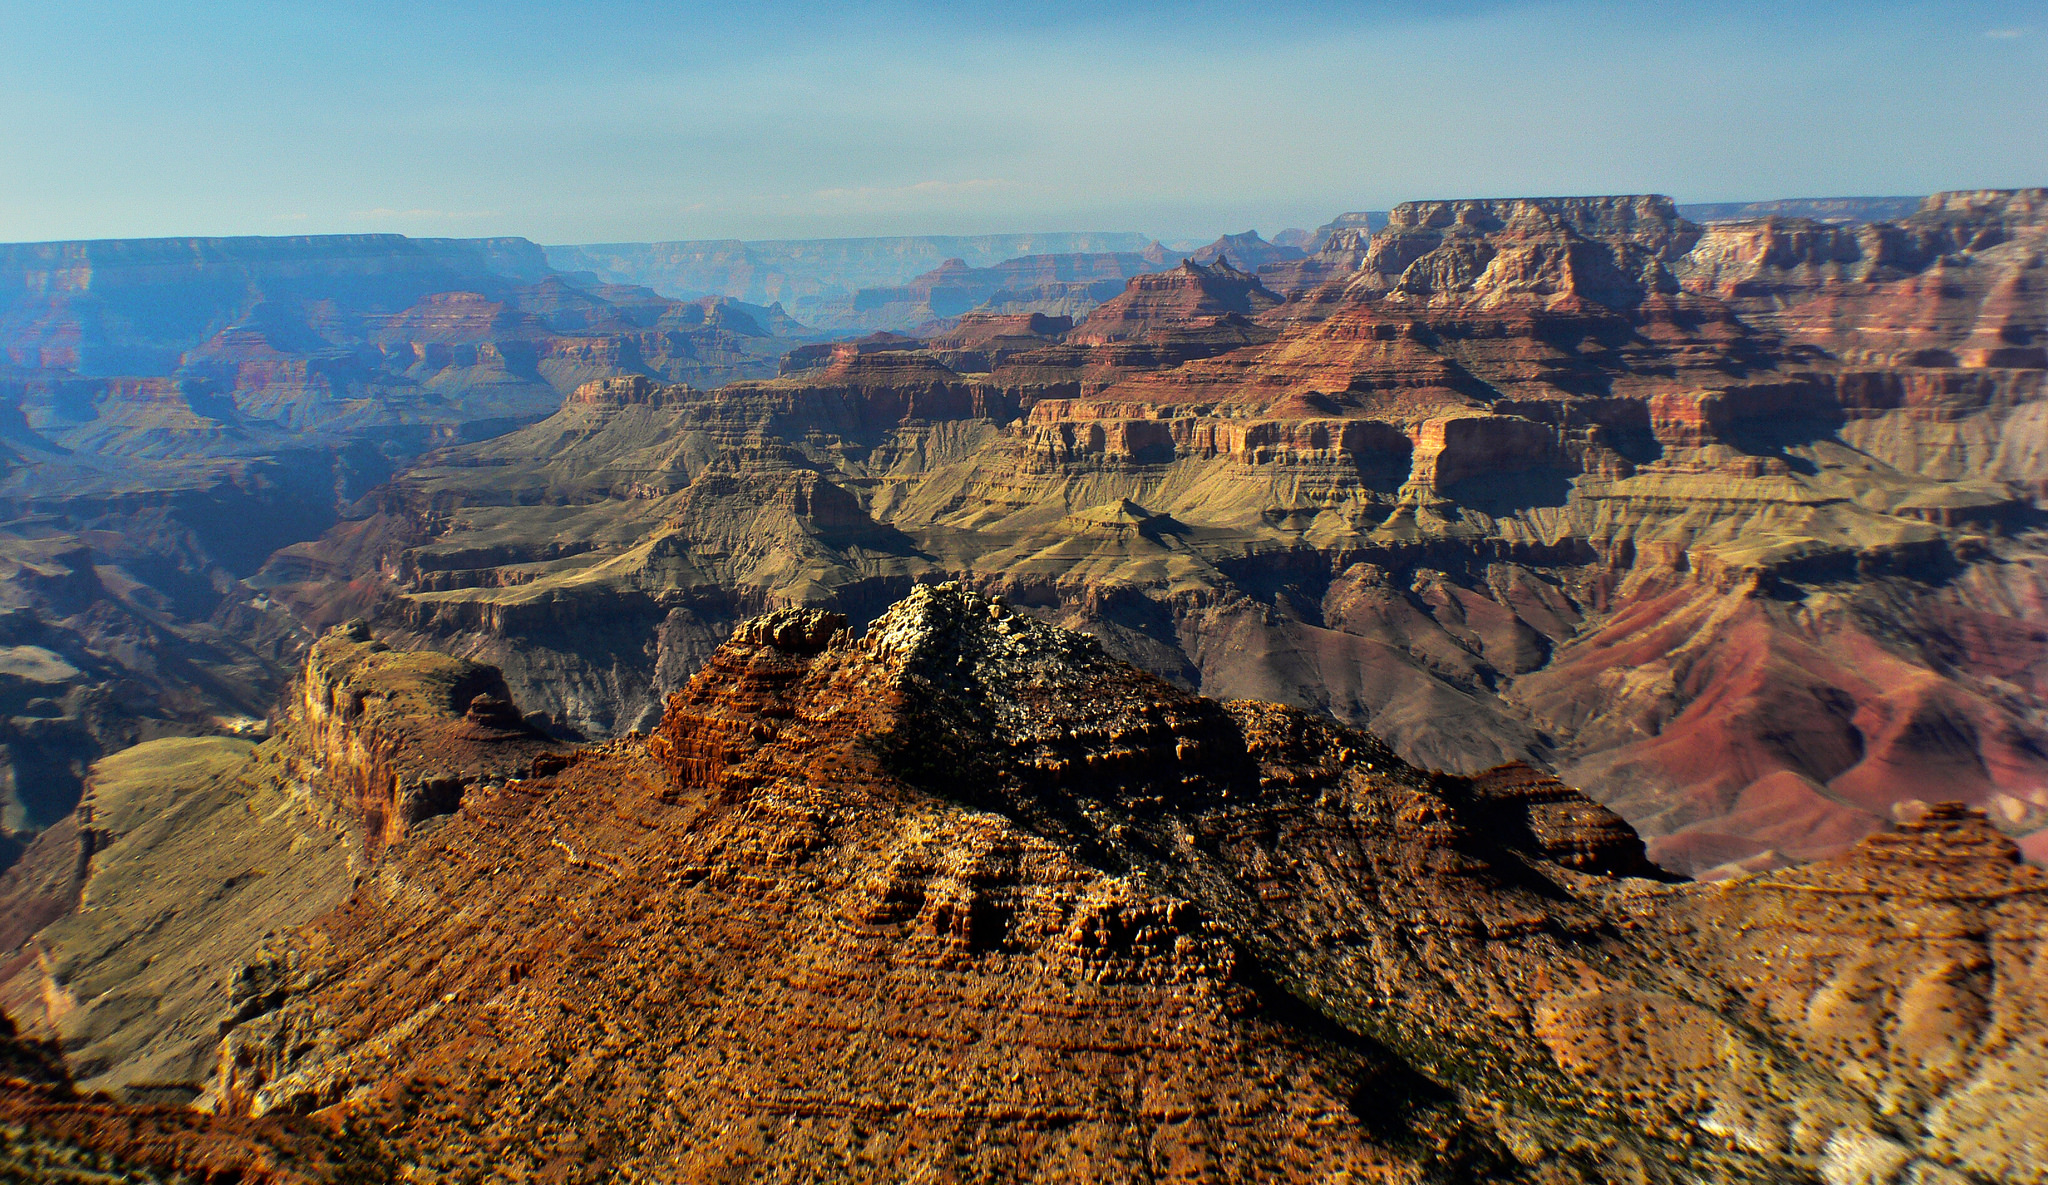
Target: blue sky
column 617, row 121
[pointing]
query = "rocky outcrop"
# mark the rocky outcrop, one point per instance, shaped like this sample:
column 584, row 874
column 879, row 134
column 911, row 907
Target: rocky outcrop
column 1950, row 285
column 381, row 740
column 1338, row 253
column 980, row 342
column 1060, row 918
column 1185, row 301
column 133, row 922
column 1611, row 252
column 1927, row 1020
column 1251, row 253
column 628, row 391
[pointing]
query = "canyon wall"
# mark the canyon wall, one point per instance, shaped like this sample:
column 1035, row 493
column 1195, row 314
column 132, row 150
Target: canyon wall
column 1577, row 482
column 172, row 411
column 131, row 924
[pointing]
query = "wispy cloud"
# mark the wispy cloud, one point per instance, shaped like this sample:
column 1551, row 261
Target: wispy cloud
column 386, row 214
column 288, row 217
column 2006, row 34
column 920, row 189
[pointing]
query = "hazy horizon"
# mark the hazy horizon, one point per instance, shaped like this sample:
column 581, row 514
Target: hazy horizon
column 636, row 122
column 1171, row 241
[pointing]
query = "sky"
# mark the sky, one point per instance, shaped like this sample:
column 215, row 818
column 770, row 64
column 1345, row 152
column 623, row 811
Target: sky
column 629, row 120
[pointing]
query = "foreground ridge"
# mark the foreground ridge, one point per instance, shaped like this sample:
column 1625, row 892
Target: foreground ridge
column 967, row 897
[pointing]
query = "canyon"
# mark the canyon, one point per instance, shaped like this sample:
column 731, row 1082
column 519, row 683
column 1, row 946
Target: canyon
column 172, row 411
column 966, row 895
column 1529, row 689
column 1736, row 526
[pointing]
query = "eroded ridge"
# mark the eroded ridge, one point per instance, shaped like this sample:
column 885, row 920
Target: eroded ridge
column 966, row 897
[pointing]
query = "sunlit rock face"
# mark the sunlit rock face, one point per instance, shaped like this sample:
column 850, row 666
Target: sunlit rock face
column 1060, row 918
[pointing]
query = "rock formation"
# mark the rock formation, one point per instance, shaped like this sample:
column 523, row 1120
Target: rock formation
column 1950, row 286
column 381, row 740
column 53, row 1135
column 965, row 897
column 1571, row 481
column 127, row 926
column 1251, row 252
column 1048, row 285
column 173, row 411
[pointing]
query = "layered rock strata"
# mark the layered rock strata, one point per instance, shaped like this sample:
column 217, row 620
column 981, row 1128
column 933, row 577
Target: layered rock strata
column 380, row 740
column 965, row 897
column 172, row 411
column 1526, row 482
column 53, row 1135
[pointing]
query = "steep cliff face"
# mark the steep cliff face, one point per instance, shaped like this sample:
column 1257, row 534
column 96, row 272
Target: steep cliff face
column 381, row 740
column 1957, row 283
column 1609, row 251
column 1337, row 250
column 966, row 897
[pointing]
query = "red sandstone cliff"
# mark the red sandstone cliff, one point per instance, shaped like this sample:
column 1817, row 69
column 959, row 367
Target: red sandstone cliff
column 381, row 740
